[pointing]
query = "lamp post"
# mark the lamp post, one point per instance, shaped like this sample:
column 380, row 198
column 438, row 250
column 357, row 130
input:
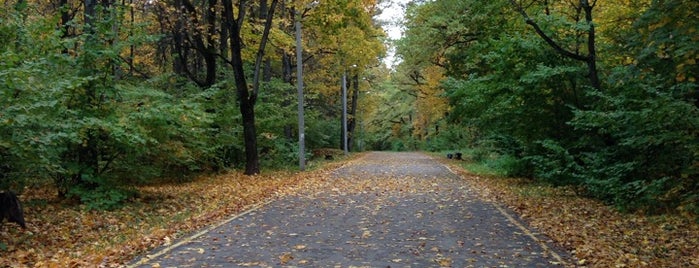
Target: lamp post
column 344, row 112
column 299, row 84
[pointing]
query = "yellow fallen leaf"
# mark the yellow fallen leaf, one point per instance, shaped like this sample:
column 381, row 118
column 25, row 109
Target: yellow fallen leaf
column 444, row 262
column 285, row 258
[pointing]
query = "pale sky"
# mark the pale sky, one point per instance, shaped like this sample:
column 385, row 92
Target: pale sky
column 393, row 11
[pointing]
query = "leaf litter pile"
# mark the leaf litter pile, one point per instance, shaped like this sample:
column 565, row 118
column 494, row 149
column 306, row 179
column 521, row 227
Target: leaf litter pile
column 60, row 235
column 596, row 234
column 65, row 235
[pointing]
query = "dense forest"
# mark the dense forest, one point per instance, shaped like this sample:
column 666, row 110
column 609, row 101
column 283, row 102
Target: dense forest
column 600, row 96
column 127, row 124
column 99, row 96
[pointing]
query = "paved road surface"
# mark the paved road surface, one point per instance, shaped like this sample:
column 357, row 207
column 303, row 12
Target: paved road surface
column 382, row 210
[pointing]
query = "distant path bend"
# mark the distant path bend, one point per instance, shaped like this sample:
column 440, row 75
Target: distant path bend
column 385, row 209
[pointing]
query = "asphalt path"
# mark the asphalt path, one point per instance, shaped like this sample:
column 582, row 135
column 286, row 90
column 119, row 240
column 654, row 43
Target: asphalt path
column 382, row 210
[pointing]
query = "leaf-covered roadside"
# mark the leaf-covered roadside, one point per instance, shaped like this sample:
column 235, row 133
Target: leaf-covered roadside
column 65, row 235
column 596, row 234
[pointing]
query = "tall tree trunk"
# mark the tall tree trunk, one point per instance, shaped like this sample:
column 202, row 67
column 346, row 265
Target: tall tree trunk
column 203, row 41
column 208, row 49
column 261, row 50
column 66, row 17
column 179, row 64
column 267, row 65
column 132, row 20
column 591, row 46
column 86, row 154
column 247, row 107
column 247, row 98
column 287, row 78
column 352, row 122
column 89, row 15
column 225, row 35
column 287, row 75
column 263, row 9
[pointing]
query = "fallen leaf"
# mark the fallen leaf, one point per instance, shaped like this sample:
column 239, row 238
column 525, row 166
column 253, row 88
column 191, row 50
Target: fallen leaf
column 285, row 258
column 444, row 262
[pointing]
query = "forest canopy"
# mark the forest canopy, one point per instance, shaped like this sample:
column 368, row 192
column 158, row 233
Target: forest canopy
column 601, row 96
column 99, row 96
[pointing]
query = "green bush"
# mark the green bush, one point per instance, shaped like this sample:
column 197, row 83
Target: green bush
column 646, row 146
column 453, row 138
column 102, row 197
column 554, row 164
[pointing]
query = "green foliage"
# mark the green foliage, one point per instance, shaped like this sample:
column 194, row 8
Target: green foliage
column 647, row 145
column 171, row 134
column 322, row 131
column 525, row 112
column 390, row 122
column 275, row 119
column 88, row 105
column 103, row 197
column 527, row 102
column 453, row 137
column 554, row 164
column 509, row 166
column 66, row 120
column 642, row 131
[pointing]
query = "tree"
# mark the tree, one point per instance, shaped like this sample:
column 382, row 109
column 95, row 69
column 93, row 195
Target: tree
column 345, row 41
column 189, row 30
column 583, row 8
column 91, row 129
column 246, row 97
column 624, row 132
column 643, row 127
column 71, row 113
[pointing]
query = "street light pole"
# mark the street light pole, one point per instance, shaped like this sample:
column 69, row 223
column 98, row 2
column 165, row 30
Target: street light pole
column 299, row 83
column 344, row 112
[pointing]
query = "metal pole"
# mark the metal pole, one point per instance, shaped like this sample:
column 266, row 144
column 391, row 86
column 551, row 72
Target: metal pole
column 299, row 82
column 344, row 111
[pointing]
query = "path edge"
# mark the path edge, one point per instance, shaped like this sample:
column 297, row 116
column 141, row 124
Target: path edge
column 521, row 226
column 149, row 257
